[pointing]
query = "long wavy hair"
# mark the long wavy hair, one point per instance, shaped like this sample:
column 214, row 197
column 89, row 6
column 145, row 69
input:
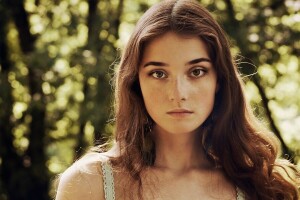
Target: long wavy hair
column 231, row 136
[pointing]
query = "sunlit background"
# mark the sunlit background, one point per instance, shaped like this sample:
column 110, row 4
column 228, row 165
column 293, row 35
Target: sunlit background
column 58, row 58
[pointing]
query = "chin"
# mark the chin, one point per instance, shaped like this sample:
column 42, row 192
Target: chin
column 178, row 129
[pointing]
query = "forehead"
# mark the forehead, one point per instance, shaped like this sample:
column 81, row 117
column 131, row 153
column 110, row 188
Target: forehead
column 171, row 45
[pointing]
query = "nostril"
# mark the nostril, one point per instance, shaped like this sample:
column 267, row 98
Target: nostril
column 177, row 90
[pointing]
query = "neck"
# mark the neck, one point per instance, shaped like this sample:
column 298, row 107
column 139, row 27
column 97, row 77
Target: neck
column 179, row 151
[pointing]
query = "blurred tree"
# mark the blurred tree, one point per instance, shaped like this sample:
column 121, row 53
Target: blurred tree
column 26, row 172
column 262, row 46
column 106, row 23
column 8, row 154
column 57, row 59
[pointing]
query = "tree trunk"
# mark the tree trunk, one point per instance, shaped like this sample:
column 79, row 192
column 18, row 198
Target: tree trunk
column 103, row 86
column 10, row 161
column 31, row 179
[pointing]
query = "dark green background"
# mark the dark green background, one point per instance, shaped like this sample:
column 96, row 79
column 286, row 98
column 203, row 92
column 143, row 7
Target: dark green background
column 57, row 60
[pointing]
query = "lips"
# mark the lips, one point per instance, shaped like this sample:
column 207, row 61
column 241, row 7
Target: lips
column 179, row 112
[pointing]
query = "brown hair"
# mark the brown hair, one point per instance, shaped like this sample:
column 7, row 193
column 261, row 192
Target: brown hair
column 247, row 154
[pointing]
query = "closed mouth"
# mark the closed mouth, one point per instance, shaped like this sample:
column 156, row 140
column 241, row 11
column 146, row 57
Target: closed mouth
column 179, row 111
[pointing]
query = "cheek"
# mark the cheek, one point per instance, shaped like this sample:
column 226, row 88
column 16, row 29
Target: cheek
column 151, row 94
column 154, row 97
column 205, row 96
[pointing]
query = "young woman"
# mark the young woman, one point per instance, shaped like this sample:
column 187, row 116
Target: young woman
column 183, row 127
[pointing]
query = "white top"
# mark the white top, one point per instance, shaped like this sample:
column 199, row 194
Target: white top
column 83, row 180
column 109, row 188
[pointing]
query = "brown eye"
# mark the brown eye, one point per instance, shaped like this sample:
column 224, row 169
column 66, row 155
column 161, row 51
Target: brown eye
column 158, row 74
column 197, row 72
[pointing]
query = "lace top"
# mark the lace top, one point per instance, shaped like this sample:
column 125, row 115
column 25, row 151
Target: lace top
column 109, row 188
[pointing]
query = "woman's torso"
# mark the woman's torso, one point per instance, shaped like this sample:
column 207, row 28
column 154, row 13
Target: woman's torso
column 92, row 178
column 161, row 185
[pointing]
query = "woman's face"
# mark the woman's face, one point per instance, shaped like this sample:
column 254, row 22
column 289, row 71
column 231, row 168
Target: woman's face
column 178, row 82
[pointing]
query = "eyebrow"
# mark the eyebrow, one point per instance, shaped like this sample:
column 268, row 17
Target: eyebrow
column 198, row 60
column 162, row 64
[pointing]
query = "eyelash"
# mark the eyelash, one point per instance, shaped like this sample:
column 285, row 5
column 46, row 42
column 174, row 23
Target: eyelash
column 202, row 70
column 155, row 72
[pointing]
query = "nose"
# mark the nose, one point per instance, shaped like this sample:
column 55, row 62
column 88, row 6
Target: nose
column 178, row 90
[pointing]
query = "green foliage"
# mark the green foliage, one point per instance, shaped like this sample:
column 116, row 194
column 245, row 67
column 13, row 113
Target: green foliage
column 65, row 76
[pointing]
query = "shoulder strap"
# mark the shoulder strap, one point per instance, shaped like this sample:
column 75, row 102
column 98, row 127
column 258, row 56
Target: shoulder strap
column 108, row 181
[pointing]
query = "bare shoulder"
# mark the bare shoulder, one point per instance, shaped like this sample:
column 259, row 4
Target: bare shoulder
column 83, row 180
